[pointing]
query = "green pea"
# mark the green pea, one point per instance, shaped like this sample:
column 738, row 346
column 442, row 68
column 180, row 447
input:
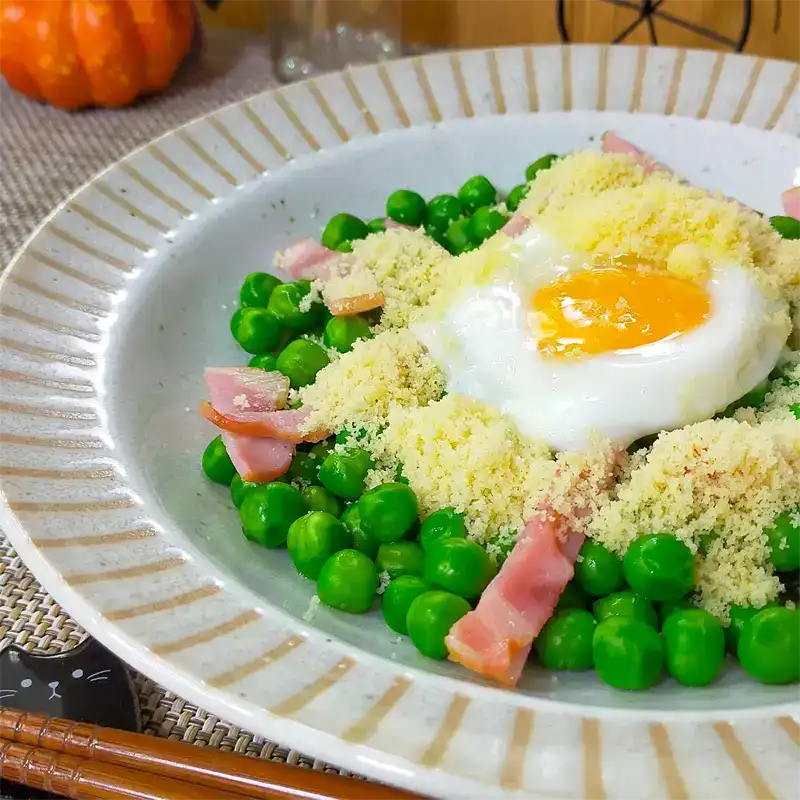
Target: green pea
column 694, row 642
column 268, row 511
column 625, row 604
column 565, row 642
column 429, row 619
column 377, row 225
column 285, row 302
column 301, row 360
column 240, row 488
column 257, row 289
column 460, row 566
column 659, row 567
column 573, row 596
column 388, row 511
column 348, row 581
column 363, row 541
column 397, row 599
column 485, row 222
column 304, row 467
column 257, row 330
column 476, row 192
column 795, row 409
column 784, row 541
column 344, row 473
column 458, row 237
column 769, row 646
column 442, row 524
column 598, row 571
column 739, row 617
column 406, row 207
column 265, row 361
column 516, row 196
column 668, row 607
column 344, row 247
column 545, row 162
column 313, row 539
column 217, row 464
column 318, row 498
column 628, row 653
column 437, row 235
column 343, row 228
column 400, row 558
column 787, row 227
column 342, row 332
column 443, row 210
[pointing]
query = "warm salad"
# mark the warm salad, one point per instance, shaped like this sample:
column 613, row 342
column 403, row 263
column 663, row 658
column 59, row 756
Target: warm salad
column 566, row 420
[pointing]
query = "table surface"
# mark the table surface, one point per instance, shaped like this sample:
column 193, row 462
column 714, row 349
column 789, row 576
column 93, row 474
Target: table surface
column 46, row 154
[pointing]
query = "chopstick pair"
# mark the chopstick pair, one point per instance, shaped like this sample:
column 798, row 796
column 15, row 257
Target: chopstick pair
column 88, row 762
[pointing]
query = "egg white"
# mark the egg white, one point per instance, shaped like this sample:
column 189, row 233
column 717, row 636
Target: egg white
column 488, row 350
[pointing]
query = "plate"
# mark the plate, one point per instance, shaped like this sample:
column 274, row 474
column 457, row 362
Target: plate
column 115, row 305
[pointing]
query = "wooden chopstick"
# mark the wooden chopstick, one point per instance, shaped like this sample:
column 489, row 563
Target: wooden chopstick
column 87, row 762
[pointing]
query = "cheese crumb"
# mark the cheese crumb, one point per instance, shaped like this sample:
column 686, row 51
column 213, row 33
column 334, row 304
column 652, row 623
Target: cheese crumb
column 464, row 454
column 719, row 476
column 360, row 388
column 241, row 401
column 406, row 265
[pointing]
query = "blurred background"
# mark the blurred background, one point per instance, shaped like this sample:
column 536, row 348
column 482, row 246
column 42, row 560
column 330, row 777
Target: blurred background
column 762, row 27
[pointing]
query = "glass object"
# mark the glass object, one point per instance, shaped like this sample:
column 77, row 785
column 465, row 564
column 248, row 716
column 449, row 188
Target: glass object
column 310, row 37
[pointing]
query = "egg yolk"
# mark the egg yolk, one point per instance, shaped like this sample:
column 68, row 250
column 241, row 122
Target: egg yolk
column 615, row 308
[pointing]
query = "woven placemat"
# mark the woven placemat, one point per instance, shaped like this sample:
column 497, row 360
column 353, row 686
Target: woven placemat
column 45, row 155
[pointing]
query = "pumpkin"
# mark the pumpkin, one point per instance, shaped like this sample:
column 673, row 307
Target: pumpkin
column 76, row 53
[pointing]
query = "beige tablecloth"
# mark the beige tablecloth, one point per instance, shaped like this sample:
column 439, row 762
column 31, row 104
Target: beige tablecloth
column 46, row 154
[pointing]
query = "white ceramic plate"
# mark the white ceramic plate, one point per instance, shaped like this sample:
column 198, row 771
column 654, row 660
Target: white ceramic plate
column 119, row 300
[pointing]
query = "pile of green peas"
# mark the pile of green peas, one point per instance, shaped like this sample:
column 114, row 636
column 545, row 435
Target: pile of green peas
column 349, row 540
column 632, row 618
column 458, row 222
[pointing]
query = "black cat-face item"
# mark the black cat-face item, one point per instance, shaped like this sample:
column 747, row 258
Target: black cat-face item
column 86, row 684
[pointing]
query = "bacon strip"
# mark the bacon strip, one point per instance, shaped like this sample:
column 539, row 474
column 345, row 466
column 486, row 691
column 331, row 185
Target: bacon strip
column 791, row 202
column 234, row 389
column 350, row 306
column 258, row 460
column 614, row 143
column 284, row 425
column 515, row 226
column 496, row 637
column 306, row 259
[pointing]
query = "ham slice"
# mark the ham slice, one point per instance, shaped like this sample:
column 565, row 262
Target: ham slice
column 350, row 306
column 258, row 460
column 235, row 389
column 515, row 226
column 306, row 259
column 791, row 202
column 286, row 425
column 496, row 637
column 613, row 143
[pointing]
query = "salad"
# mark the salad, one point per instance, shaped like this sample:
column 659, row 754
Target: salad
column 565, row 420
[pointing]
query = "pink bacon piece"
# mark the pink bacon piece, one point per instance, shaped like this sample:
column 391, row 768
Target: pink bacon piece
column 233, row 389
column 258, row 460
column 614, row 143
column 496, row 637
column 791, row 202
column 306, row 259
column 515, row 226
column 286, row 425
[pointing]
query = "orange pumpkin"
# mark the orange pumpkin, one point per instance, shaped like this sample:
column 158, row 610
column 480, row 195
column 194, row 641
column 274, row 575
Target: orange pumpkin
column 75, row 53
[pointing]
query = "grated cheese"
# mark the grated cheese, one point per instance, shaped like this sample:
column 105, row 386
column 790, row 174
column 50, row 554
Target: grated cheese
column 719, row 476
column 406, row 265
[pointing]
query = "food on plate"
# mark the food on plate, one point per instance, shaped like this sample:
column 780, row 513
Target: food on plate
column 564, row 423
